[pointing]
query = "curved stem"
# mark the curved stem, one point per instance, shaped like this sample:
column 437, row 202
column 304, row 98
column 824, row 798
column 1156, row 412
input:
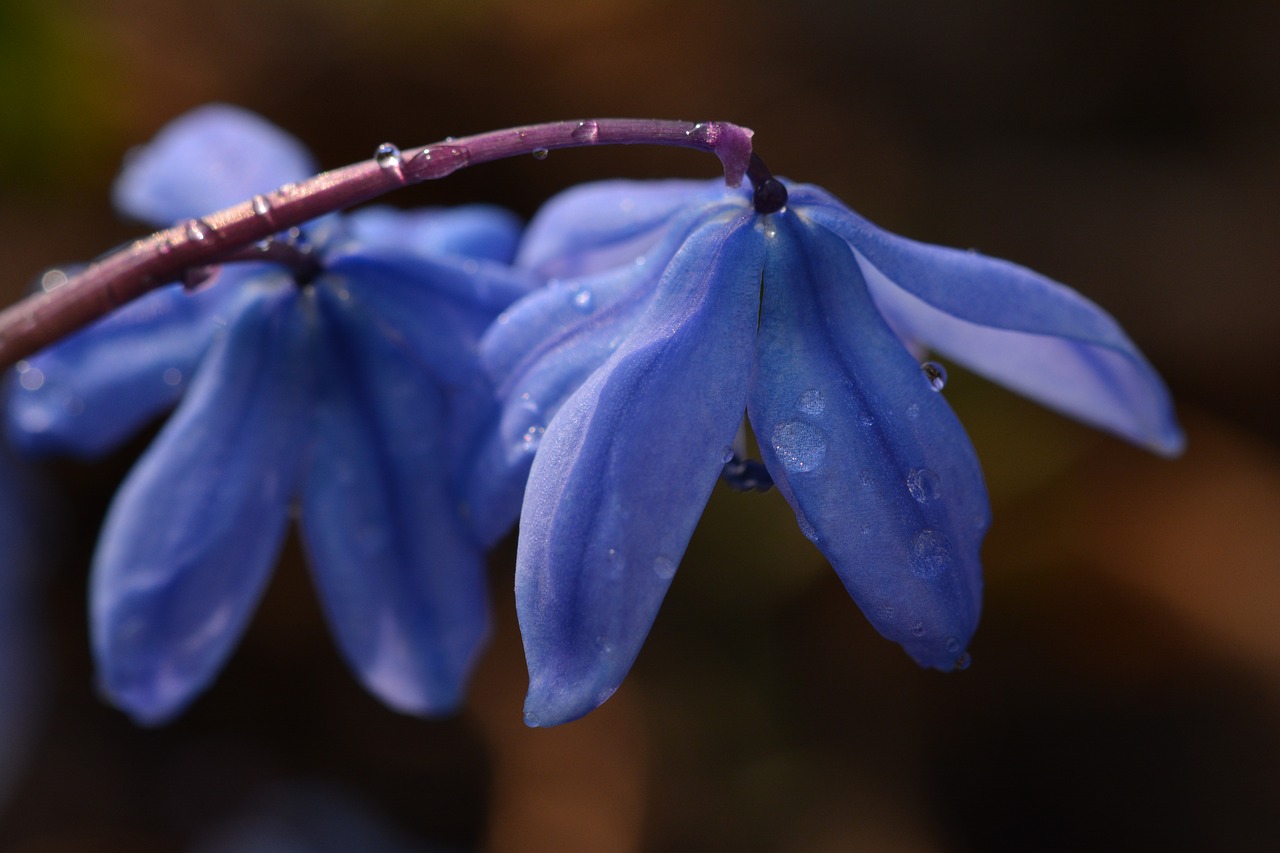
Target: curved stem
column 122, row 276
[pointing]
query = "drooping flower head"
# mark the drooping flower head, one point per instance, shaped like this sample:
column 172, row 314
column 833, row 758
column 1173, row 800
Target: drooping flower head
column 676, row 308
column 337, row 377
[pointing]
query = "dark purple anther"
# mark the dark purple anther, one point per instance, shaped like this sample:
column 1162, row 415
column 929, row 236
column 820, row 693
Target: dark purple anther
column 770, row 195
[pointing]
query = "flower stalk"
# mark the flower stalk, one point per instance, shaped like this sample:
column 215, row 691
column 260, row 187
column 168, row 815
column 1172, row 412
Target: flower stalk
column 167, row 255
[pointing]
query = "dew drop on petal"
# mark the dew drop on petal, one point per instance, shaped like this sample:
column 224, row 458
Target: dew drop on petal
column 930, row 554
column 586, row 131
column 953, row 645
column 726, row 456
column 172, row 376
column 800, row 446
column 583, row 301
column 806, row 527
column 924, row 484
column 387, row 156
column 29, row 377
column 812, row 402
column 917, row 630
column 913, row 411
column 540, row 153
column 963, row 661
column 261, row 206
column 935, row 373
column 866, row 420
column 664, row 568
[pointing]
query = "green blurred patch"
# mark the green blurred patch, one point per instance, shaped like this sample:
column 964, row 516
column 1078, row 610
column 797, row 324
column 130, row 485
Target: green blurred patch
column 58, row 88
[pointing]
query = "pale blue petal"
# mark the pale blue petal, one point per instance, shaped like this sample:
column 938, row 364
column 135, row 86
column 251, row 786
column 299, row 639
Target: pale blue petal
column 625, row 469
column 1010, row 324
column 878, row 470
column 474, row 231
column 542, row 349
column 403, row 586
column 88, row 393
column 597, row 226
column 190, row 539
column 213, row 157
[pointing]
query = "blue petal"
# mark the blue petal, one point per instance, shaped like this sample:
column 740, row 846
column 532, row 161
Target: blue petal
column 403, row 586
column 89, row 392
column 474, row 231
column 437, row 308
column 190, row 539
column 597, row 226
column 1010, row 324
column 213, row 157
column 878, row 470
column 625, row 469
column 542, row 349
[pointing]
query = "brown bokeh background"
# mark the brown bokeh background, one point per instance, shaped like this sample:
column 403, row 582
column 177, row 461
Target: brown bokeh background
column 1125, row 690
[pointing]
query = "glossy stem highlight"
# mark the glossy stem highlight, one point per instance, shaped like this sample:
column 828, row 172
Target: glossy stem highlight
column 165, row 256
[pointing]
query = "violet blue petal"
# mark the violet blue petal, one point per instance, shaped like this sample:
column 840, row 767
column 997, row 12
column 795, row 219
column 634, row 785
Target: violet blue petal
column 480, row 231
column 401, row 583
column 597, row 226
column 1010, row 324
column 625, row 469
column 88, row 393
column 541, row 350
column 213, row 157
column 190, row 539
column 876, row 466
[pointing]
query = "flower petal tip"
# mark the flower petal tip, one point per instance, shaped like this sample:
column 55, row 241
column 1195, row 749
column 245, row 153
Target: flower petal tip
column 548, row 705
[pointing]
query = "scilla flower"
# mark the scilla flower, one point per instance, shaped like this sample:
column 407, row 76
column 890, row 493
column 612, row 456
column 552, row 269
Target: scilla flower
column 335, row 377
column 677, row 308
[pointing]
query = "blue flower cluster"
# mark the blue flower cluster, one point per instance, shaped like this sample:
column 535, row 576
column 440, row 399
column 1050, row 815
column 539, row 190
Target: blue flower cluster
column 414, row 383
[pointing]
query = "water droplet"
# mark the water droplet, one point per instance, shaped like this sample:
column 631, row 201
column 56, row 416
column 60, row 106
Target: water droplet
column 963, row 661
column 471, row 266
column 641, row 260
column 917, row 630
column 29, row 377
column 727, row 455
column 930, row 554
column 812, row 402
column 924, row 484
column 387, row 156
column 172, row 376
column 866, row 420
column 586, row 131
column 532, row 437
column 261, row 207
column 800, row 446
column 165, row 247
column 197, row 230
column 953, row 645
column 807, row 528
column 540, row 153
column 617, row 563
column 936, row 374
column 52, row 280
column 913, row 411
column 664, row 568
column 582, row 300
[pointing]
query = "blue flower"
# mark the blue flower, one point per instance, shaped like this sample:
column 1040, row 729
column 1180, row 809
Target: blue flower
column 345, row 389
column 676, row 308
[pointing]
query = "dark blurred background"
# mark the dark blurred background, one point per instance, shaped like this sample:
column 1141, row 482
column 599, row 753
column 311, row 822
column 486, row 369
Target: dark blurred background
column 1125, row 691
